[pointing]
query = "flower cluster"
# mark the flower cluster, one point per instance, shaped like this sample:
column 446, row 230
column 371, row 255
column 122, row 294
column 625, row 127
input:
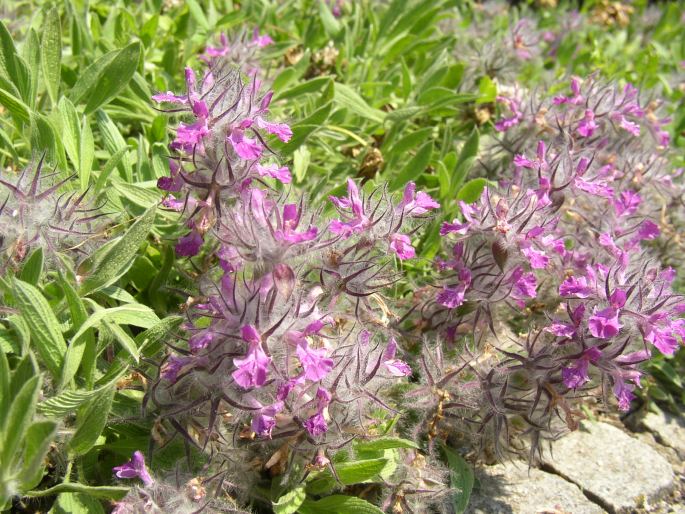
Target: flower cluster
column 224, row 149
column 38, row 211
column 162, row 497
column 558, row 255
column 289, row 341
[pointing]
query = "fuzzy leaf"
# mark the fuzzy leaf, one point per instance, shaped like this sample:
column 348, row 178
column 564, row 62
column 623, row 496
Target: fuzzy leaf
column 18, row 421
column 385, row 443
column 347, row 97
column 105, row 492
column 38, row 438
column 33, row 267
column 120, row 255
column 461, row 479
column 106, row 77
column 471, row 191
column 338, row 503
column 86, row 154
column 74, row 503
column 290, row 502
column 414, row 168
column 45, row 329
column 51, row 52
column 467, row 156
column 90, row 421
column 69, row 401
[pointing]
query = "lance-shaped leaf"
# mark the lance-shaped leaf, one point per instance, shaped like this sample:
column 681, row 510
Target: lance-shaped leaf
column 120, row 255
column 45, row 329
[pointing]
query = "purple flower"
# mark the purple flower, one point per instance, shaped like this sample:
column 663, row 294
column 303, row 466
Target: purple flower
column 170, row 98
column 588, row 125
column 314, row 361
column 245, row 147
column 576, row 375
column 135, row 468
column 454, row 227
column 316, row 424
column 358, row 222
column 604, row 324
column 189, row 245
column 537, row 259
column 416, row 204
column 575, row 286
column 624, row 393
column 281, row 130
column 201, row 340
column 272, row 170
column 264, row 422
column 627, row 203
column 452, row 297
column 401, row 245
column 576, row 99
column 525, row 284
column 261, row 41
column 648, row 230
column 190, row 136
column 596, row 188
column 396, row 367
column 253, row 368
column 291, row 219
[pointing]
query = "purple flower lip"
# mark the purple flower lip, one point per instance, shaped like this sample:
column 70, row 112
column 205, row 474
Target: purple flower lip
column 135, row 468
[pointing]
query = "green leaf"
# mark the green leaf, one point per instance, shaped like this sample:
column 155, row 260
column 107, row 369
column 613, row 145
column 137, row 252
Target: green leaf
column 471, row 191
column 106, row 77
column 5, row 398
column 384, row 443
column 114, row 142
column 76, row 349
column 487, row 90
column 51, row 52
column 330, row 23
column 290, row 502
column 86, row 154
column 71, row 130
column 12, row 65
column 306, row 87
column 112, row 163
column 467, row 156
column 414, row 168
column 69, row 401
column 45, row 329
column 74, row 503
column 15, row 106
column 136, row 194
column 348, row 473
column 338, row 504
column 33, row 267
column 19, row 418
column 38, row 438
column 105, row 492
column 347, row 97
column 461, row 479
column 120, row 255
column 198, row 14
column 90, row 421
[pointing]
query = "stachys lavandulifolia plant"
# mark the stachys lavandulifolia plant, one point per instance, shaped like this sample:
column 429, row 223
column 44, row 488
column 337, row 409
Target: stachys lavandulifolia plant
column 39, row 210
column 552, row 291
column 289, row 351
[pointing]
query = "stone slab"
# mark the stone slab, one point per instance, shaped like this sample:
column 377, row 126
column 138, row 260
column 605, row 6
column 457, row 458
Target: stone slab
column 668, row 429
column 615, row 470
column 513, row 489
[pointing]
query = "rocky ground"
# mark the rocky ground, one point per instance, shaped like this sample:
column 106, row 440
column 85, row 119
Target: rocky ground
column 605, row 466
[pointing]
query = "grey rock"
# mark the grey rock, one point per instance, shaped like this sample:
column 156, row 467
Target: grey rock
column 669, row 430
column 512, row 489
column 613, row 469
